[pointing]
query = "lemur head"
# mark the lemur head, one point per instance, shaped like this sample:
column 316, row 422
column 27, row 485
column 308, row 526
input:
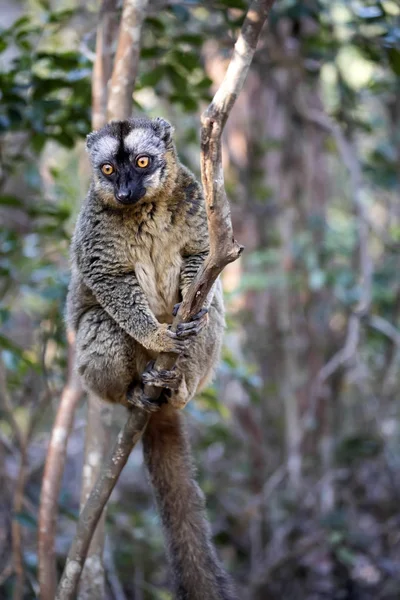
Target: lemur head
column 132, row 160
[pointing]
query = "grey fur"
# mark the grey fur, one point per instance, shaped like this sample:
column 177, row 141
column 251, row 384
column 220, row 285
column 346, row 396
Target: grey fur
column 130, row 265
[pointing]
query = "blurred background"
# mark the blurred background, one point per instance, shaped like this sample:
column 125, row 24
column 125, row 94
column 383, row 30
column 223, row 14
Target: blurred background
column 298, row 441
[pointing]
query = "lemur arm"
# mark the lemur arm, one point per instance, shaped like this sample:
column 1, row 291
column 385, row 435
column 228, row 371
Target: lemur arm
column 119, row 293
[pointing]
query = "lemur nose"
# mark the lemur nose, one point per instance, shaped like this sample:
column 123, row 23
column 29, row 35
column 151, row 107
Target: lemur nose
column 123, row 195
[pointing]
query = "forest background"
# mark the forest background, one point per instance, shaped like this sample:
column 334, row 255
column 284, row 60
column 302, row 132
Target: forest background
column 297, row 442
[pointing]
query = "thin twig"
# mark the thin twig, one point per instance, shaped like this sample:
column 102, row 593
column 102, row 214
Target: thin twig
column 6, row 572
column 380, row 324
column 385, row 327
column 349, row 158
column 111, row 573
column 223, row 250
column 17, row 552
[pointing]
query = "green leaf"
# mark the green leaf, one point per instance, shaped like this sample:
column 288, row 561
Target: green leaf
column 152, row 52
column 188, row 60
column 155, row 23
column 151, row 78
column 11, row 201
column 194, row 39
column 394, row 60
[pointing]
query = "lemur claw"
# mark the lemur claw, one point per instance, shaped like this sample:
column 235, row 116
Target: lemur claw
column 194, row 326
column 163, row 378
column 137, row 398
column 195, row 317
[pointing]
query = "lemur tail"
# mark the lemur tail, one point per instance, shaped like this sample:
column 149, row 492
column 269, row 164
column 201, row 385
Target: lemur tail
column 197, row 572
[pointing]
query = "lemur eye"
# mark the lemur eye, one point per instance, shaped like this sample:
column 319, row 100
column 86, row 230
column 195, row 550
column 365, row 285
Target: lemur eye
column 143, row 161
column 107, row 169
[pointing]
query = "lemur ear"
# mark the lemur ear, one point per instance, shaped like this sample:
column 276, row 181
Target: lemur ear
column 163, row 129
column 90, row 139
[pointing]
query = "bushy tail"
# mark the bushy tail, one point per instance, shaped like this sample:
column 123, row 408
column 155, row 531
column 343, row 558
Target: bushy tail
column 197, row 572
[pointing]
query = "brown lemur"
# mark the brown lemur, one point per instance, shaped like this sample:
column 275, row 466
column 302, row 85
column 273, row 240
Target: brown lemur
column 139, row 241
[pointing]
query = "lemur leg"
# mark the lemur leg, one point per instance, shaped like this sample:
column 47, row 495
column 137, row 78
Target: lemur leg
column 108, row 359
column 194, row 367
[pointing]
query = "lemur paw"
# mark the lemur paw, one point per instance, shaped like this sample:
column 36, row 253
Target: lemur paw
column 137, row 398
column 163, row 378
column 192, row 327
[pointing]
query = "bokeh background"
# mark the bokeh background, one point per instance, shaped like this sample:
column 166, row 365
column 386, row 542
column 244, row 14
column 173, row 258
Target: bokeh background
column 297, row 443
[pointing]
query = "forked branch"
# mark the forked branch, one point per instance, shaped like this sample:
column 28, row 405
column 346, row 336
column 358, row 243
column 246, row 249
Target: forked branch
column 223, row 250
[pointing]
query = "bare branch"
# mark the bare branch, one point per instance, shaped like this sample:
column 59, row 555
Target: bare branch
column 389, row 384
column 51, row 484
column 23, row 438
column 102, row 67
column 223, row 250
column 7, row 407
column 349, row 158
column 351, row 162
column 97, row 445
column 114, row 97
column 126, row 61
column 98, row 498
column 223, row 247
column 386, row 328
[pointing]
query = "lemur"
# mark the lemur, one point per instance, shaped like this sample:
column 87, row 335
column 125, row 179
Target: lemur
column 139, row 241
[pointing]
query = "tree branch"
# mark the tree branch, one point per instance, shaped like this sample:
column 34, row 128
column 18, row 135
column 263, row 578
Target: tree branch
column 72, row 393
column 51, row 483
column 103, row 62
column 126, row 62
column 223, row 250
column 349, row 158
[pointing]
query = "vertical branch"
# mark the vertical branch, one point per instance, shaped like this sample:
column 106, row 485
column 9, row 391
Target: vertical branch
column 55, row 461
column 99, row 415
column 289, row 354
column 112, row 88
column 126, row 61
column 23, row 438
column 103, row 62
column 17, row 541
column 223, row 250
column 51, row 483
column 97, row 444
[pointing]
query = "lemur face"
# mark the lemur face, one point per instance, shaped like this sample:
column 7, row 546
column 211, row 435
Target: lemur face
column 129, row 159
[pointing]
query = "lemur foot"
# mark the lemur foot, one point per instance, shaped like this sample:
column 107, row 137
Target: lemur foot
column 192, row 327
column 137, row 398
column 163, row 378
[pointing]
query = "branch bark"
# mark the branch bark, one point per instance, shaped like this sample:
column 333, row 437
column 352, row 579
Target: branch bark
column 52, row 477
column 223, row 250
column 103, row 62
column 126, row 61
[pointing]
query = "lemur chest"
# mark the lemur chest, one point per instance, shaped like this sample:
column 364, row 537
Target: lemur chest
column 157, row 262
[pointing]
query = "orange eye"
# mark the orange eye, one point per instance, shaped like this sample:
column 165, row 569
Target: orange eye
column 107, row 169
column 142, row 162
